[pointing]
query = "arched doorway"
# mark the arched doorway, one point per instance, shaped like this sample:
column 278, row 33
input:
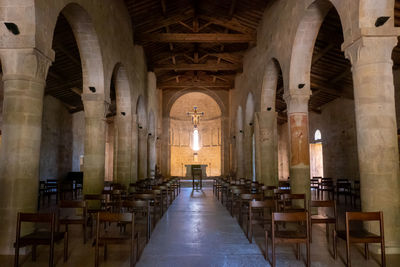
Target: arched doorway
column 195, row 145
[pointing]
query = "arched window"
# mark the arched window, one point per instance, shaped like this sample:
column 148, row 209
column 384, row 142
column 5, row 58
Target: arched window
column 196, row 143
column 317, row 135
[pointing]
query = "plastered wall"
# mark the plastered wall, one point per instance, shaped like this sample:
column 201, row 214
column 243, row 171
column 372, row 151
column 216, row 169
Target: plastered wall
column 339, row 140
column 56, row 147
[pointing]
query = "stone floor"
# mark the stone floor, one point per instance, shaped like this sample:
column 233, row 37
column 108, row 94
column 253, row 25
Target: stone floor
column 198, row 231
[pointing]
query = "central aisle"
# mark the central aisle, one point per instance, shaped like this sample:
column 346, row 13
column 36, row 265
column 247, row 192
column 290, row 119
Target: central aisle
column 198, row 231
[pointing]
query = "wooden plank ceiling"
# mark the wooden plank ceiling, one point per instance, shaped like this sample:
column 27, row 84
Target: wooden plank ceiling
column 195, row 43
column 200, row 44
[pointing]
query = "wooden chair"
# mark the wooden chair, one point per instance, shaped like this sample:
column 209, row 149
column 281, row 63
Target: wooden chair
column 94, row 204
column 140, row 208
column 326, row 185
column 234, row 199
column 343, row 187
column 288, row 199
column 314, row 185
column 278, row 196
column 259, row 213
column 152, row 199
column 361, row 235
column 320, row 218
column 244, row 201
column 39, row 237
column 297, row 236
column 355, row 193
column 103, row 238
column 72, row 219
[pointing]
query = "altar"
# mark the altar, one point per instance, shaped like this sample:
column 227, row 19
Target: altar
column 189, row 170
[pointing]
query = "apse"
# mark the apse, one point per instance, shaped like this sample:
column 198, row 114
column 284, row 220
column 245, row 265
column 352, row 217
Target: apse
column 195, row 134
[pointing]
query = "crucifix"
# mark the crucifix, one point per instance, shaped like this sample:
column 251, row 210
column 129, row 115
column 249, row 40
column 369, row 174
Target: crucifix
column 195, row 116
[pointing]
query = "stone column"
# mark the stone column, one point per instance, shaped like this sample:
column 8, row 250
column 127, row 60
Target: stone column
column 377, row 141
column 124, row 145
column 134, row 150
column 299, row 164
column 152, row 156
column 267, row 125
column 24, row 76
column 239, row 154
column 248, row 151
column 165, row 148
column 95, row 140
column 142, row 155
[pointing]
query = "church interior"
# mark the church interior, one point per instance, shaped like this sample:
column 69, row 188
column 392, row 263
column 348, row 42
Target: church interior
column 199, row 133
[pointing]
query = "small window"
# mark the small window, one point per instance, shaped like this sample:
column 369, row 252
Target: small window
column 196, row 144
column 317, row 135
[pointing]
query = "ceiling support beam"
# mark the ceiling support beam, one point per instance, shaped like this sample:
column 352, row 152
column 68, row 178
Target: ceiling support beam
column 197, row 38
column 194, row 67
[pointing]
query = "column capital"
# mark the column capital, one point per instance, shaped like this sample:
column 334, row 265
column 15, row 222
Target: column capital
column 371, row 49
column 25, row 64
column 297, row 102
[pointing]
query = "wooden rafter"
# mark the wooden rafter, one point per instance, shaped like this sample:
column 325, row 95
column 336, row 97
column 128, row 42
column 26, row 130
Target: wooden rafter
column 197, row 38
column 194, row 67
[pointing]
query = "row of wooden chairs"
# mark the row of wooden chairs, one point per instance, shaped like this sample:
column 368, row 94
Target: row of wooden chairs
column 334, row 189
column 272, row 211
column 111, row 206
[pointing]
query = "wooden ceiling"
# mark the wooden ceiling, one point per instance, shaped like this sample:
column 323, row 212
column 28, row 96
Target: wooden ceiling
column 195, row 43
column 200, row 44
column 64, row 80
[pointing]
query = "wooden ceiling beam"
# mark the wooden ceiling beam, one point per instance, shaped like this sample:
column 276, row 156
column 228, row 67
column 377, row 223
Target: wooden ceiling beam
column 165, row 22
column 196, row 38
column 194, row 67
column 323, row 52
column 184, row 84
column 68, row 54
column 231, row 24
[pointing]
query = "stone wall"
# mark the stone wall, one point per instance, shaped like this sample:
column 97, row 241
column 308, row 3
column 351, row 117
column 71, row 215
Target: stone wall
column 78, row 136
column 56, row 147
column 339, row 138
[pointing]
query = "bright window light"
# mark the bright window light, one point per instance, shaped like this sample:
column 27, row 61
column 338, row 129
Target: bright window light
column 196, row 145
column 317, row 136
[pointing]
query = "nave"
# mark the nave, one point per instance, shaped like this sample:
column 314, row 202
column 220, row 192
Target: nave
column 198, row 230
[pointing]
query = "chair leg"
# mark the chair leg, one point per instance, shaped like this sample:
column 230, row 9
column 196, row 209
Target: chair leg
column 366, row 251
column 96, row 254
column 310, row 231
column 84, row 233
column 308, row 254
column 266, row 246
column 298, row 251
column 51, row 259
column 34, row 253
column 16, row 256
column 250, row 231
column 348, row 262
column 65, row 246
column 273, row 254
column 334, row 245
column 383, row 255
column 105, row 251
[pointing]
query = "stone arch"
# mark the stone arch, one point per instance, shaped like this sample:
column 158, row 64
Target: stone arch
column 250, row 109
column 152, row 123
column 123, row 125
column 141, row 113
column 269, row 84
column 89, row 49
column 208, row 92
column 303, row 45
column 122, row 90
